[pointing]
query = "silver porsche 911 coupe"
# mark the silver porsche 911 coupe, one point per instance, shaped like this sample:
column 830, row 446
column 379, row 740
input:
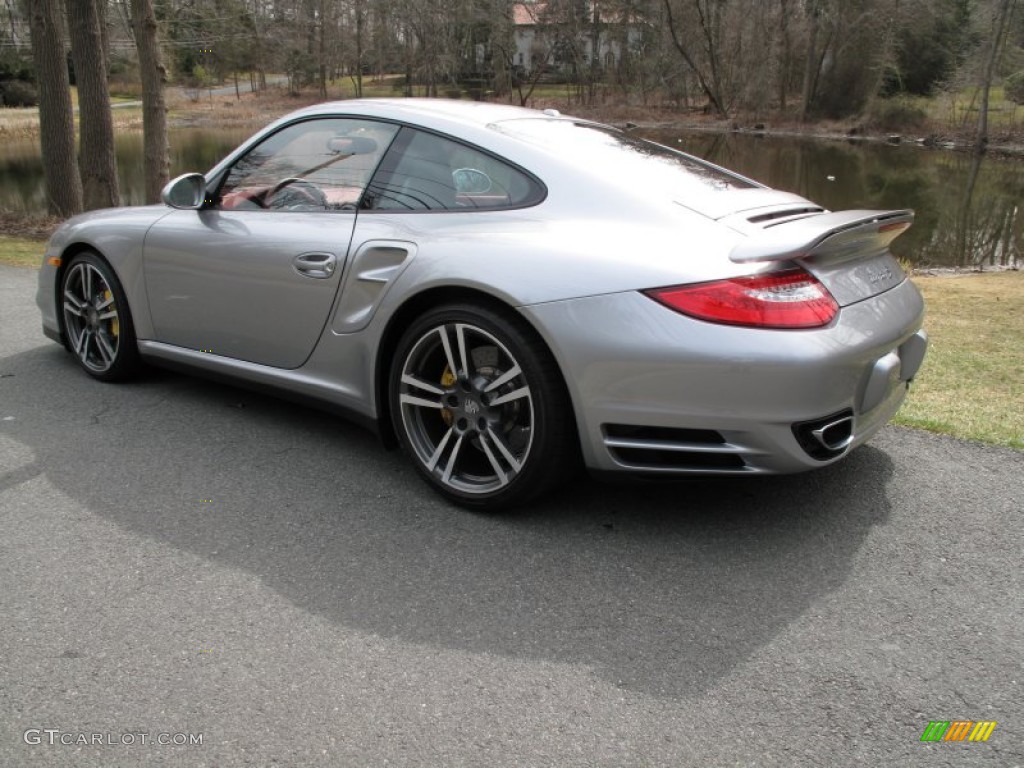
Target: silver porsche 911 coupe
column 505, row 292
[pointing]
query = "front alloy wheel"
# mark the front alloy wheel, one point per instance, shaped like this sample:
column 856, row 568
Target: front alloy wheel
column 479, row 403
column 97, row 324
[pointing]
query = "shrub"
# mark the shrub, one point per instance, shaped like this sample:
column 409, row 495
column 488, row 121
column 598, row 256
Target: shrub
column 126, row 90
column 123, row 78
column 896, row 115
column 18, row 93
column 1014, row 87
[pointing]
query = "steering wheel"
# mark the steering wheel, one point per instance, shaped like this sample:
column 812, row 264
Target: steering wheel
column 295, row 194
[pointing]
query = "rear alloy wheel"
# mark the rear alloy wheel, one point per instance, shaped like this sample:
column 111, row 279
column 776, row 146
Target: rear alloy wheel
column 97, row 323
column 479, row 403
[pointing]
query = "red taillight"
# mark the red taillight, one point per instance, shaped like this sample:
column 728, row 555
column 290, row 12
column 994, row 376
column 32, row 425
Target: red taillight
column 790, row 299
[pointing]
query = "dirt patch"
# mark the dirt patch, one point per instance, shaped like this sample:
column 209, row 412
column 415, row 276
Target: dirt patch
column 31, row 226
column 226, row 111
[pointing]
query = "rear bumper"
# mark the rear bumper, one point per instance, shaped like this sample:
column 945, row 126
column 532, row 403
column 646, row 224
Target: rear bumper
column 657, row 392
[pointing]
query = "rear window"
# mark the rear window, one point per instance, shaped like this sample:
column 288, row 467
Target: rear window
column 615, row 154
column 426, row 172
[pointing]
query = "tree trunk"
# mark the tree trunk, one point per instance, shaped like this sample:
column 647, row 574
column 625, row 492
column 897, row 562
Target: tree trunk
column 56, row 119
column 360, row 24
column 710, row 89
column 408, row 62
column 321, row 51
column 783, row 83
column 156, row 160
column 811, row 67
column 981, row 138
column 97, row 162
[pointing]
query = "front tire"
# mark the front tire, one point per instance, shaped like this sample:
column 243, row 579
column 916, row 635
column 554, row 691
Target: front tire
column 98, row 325
column 479, row 403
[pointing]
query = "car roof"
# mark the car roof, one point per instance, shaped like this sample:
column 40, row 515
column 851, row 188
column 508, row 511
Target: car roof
column 476, row 121
column 468, row 113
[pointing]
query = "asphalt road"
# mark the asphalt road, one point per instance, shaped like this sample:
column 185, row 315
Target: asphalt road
column 182, row 557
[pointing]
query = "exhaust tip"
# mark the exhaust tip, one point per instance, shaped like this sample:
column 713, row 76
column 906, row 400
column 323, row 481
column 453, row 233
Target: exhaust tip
column 835, row 436
column 826, row 438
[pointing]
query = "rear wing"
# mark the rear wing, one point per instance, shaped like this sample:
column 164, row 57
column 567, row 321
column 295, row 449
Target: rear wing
column 858, row 233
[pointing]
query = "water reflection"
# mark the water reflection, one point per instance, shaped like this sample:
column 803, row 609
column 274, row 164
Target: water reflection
column 968, row 209
column 21, row 167
column 192, row 149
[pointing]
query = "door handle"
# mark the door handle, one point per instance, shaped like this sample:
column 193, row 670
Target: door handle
column 317, row 264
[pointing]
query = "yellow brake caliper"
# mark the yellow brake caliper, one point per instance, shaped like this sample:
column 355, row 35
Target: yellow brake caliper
column 447, row 379
column 115, row 325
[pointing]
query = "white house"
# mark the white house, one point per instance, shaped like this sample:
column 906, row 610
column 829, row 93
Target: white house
column 545, row 37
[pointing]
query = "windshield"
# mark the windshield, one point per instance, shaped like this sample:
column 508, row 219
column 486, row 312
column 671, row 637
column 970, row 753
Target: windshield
column 618, row 155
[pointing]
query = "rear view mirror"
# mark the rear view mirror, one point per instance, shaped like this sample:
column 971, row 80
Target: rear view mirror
column 185, row 192
column 352, row 145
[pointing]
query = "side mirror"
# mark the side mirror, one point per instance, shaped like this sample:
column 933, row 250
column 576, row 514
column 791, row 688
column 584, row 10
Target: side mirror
column 187, row 192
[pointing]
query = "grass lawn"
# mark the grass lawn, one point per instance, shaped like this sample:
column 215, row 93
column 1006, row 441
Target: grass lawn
column 972, row 382
column 21, row 252
column 962, row 108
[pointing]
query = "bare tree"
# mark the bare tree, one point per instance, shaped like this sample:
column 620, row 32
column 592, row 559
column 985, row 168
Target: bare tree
column 360, row 24
column 815, row 56
column 785, row 52
column 156, row 155
column 995, row 43
column 98, row 161
column 56, row 119
column 321, row 47
column 706, row 72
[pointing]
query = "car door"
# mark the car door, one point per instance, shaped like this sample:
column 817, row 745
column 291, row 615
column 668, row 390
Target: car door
column 253, row 275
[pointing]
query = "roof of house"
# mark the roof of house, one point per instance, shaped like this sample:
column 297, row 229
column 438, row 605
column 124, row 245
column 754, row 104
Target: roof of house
column 529, row 14
column 526, row 14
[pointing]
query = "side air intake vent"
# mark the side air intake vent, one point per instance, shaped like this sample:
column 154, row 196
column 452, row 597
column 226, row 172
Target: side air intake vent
column 671, row 449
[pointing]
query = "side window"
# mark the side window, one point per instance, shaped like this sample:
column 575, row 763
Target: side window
column 315, row 165
column 426, row 172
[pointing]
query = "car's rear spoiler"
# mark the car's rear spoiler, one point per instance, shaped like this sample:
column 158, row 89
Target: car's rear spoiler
column 833, row 233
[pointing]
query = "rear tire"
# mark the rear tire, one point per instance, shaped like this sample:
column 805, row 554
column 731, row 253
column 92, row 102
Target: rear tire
column 479, row 404
column 97, row 322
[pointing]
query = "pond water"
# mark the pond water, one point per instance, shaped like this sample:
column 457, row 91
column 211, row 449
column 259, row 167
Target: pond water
column 192, row 149
column 968, row 210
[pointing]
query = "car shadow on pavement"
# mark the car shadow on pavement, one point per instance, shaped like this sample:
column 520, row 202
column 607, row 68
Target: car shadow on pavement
column 658, row 588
